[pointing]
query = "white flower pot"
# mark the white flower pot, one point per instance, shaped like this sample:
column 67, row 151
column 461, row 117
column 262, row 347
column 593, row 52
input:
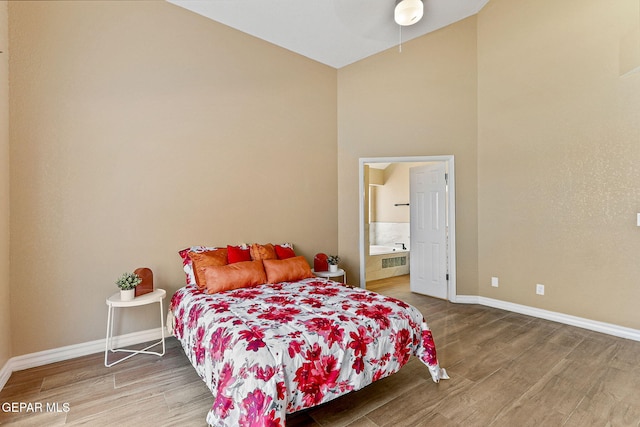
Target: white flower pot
column 333, row 267
column 127, row 295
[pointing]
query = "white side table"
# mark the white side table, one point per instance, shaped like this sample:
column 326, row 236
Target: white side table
column 114, row 301
column 330, row 274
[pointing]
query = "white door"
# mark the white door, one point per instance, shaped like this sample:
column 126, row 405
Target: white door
column 428, row 264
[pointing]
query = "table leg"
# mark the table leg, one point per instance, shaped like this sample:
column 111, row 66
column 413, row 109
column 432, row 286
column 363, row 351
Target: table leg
column 108, row 347
column 162, row 327
column 107, row 343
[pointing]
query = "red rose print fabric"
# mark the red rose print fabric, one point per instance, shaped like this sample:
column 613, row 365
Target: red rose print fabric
column 275, row 349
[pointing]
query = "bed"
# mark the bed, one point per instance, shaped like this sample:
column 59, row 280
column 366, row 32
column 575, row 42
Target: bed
column 270, row 349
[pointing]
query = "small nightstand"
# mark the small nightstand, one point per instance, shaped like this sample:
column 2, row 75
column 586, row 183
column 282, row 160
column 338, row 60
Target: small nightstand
column 114, row 301
column 331, row 274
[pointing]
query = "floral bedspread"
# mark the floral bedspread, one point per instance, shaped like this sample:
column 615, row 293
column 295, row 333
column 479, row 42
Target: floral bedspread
column 275, row 349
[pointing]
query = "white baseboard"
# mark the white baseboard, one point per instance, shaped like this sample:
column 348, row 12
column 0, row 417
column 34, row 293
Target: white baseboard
column 33, row 360
column 592, row 325
column 45, row 357
column 5, row 373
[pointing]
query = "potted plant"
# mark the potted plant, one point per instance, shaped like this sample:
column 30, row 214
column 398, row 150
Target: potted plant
column 127, row 284
column 333, row 261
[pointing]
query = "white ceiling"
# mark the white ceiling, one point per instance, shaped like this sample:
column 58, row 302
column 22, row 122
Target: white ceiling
column 333, row 32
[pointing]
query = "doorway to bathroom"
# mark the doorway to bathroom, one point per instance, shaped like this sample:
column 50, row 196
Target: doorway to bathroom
column 407, row 222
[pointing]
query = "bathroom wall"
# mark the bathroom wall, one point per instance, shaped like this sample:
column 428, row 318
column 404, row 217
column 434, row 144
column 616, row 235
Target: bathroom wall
column 390, row 233
column 390, row 215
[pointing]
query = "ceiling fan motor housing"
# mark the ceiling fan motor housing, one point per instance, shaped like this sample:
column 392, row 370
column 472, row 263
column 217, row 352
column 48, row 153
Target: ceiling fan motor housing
column 408, row 12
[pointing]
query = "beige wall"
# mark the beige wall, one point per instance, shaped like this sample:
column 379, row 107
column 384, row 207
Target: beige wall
column 139, row 128
column 550, row 196
column 559, row 156
column 5, row 306
column 421, row 102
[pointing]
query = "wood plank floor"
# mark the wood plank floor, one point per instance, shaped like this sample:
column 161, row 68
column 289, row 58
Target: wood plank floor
column 506, row 370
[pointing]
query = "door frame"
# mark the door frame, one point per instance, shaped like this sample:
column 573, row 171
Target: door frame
column 451, row 212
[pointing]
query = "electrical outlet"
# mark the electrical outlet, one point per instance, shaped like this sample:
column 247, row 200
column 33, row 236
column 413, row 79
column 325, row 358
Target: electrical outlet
column 539, row 289
column 494, row 282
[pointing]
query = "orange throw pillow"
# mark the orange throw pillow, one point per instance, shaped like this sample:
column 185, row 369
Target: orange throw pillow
column 259, row 252
column 233, row 276
column 202, row 260
column 287, row 270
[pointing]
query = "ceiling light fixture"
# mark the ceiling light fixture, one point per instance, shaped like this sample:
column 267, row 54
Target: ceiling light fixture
column 408, row 12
